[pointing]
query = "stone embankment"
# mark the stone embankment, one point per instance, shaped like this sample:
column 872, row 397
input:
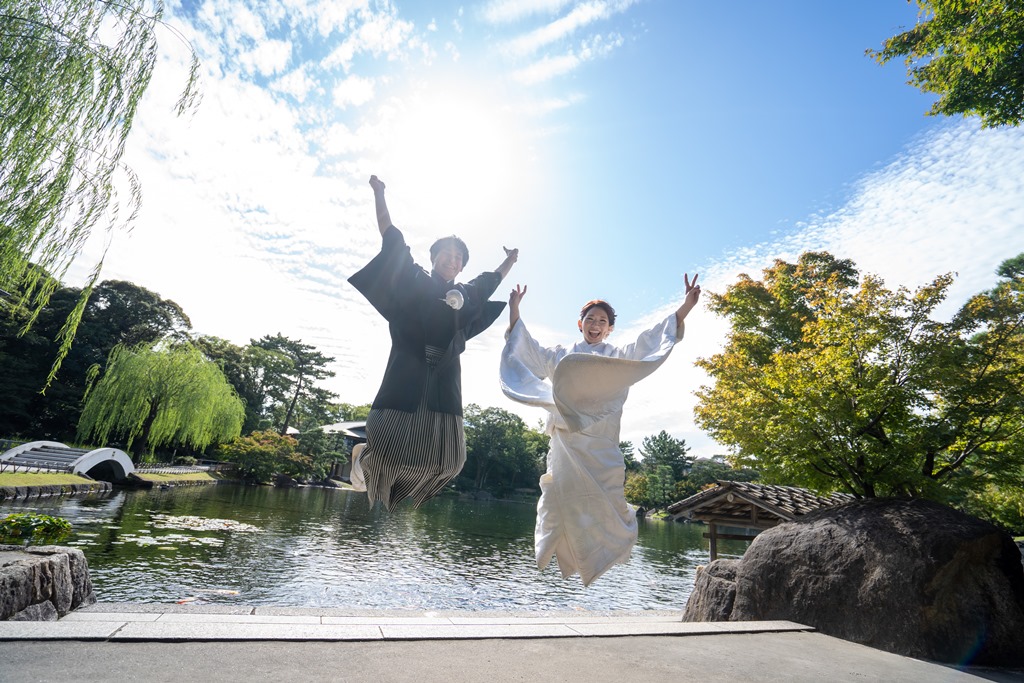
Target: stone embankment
column 42, row 583
column 10, row 492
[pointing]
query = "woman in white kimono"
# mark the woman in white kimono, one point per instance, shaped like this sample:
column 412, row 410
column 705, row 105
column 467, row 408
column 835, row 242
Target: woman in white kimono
column 583, row 519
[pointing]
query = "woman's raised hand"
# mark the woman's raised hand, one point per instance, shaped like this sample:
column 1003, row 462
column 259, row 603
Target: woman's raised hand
column 377, row 184
column 692, row 288
column 516, row 296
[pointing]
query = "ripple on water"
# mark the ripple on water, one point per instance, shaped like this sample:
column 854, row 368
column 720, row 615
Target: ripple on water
column 326, row 548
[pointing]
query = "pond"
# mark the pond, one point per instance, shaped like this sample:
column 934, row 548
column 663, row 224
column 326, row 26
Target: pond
column 316, row 547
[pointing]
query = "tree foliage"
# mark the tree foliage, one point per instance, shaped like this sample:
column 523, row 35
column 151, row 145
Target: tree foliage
column 260, row 455
column 260, row 377
column 705, row 472
column 637, row 489
column 831, row 385
column 662, row 449
column 117, row 313
column 72, row 74
column 501, row 451
column 629, row 457
column 307, row 365
column 968, row 52
column 348, row 412
column 154, row 396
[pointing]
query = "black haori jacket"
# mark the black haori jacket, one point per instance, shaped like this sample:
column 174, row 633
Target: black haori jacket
column 412, row 301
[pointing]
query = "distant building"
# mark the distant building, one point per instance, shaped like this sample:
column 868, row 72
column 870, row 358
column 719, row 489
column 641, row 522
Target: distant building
column 344, row 436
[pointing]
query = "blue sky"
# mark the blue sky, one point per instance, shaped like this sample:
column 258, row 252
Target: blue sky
column 616, row 143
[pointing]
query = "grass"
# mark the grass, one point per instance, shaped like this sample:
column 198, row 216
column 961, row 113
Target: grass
column 160, row 478
column 41, row 479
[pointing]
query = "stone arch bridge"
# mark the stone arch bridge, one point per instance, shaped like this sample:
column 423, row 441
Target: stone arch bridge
column 104, row 464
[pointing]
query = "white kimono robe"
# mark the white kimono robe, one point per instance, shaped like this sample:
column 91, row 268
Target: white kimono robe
column 583, row 518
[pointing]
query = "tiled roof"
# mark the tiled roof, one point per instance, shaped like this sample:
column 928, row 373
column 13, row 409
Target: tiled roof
column 733, row 500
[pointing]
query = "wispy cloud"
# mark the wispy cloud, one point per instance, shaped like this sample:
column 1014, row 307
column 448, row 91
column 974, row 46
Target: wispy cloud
column 507, row 11
column 580, row 16
column 547, row 68
column 379, row 35
column 296, row 83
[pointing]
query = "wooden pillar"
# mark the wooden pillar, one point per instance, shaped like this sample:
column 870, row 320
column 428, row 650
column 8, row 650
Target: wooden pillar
column 714, row 541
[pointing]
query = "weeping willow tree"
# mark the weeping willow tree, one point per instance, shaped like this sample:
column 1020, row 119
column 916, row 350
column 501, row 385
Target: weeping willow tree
column 161, row 395
column 72, row 74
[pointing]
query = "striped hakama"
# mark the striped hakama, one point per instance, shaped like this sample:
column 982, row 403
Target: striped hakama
column 410, row 455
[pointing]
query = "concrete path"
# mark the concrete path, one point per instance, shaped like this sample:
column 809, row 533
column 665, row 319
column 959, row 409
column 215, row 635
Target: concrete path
column 129, row 642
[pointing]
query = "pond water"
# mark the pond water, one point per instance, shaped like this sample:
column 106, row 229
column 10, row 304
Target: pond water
column 314, row 547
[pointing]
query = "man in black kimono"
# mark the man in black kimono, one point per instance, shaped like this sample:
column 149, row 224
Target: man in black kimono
column 415, row 442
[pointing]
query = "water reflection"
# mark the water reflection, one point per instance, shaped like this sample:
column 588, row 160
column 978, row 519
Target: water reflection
column 314, row 547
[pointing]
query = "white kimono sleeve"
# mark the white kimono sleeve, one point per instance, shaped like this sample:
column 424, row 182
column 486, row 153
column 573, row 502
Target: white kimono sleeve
column 525, row 367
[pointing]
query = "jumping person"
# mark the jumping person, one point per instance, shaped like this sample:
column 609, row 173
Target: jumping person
column 583, row 519
column 415, row 444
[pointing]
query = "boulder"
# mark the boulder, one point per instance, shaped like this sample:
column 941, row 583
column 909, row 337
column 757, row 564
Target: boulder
column 43, row 583
column 911, row 577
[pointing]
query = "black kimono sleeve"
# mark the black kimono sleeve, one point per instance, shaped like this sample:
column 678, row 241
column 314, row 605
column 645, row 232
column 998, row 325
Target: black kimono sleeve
column 389, row 276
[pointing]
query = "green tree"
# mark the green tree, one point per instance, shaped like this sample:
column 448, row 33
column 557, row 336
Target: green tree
column 72, row 73
column 322, row 453
column 661, row 485
column 307, row 367
column 706, row 471
column 830, row 385
column 637, row 489
column 155, row 396
column 116, row 313
column 629, row 457
column 497, row 451
column 664, row 449
column 314, row 408
column 260, row 455
column 968, row 52
column 353, row 413
column 260, row 376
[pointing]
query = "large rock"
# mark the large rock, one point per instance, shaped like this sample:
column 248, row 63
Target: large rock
column 42, row 583
column 907, row 576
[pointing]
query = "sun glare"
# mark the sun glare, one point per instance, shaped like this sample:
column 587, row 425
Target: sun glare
column 460, row 159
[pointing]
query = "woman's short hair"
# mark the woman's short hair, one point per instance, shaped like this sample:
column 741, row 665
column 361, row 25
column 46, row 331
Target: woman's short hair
column 603, row 305
column 437, row 246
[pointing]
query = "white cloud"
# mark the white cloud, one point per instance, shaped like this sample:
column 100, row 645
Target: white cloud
column 547, row 68
column 552, row 104
column 353, row 91
column 296, row 83
column 582, row 15
column 507, row 11
column 267, row 58
column 378, row 34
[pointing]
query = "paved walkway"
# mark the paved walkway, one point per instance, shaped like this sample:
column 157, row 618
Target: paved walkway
column 130, row 642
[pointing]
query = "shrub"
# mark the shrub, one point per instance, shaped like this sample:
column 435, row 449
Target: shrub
column 26, row 528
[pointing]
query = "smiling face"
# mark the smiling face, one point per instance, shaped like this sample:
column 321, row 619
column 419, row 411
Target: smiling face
column 447, row 260
column 596, row 324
